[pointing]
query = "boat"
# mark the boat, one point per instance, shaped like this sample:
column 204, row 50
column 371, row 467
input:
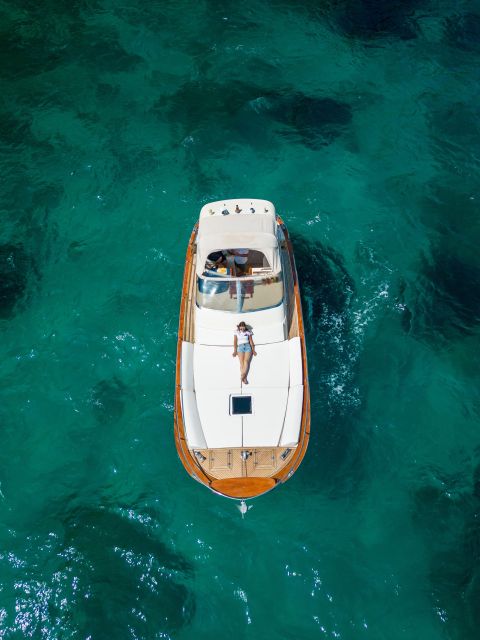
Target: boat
column 241, row 440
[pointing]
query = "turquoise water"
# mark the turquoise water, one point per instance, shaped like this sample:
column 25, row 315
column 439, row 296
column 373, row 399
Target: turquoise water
column 360, row 120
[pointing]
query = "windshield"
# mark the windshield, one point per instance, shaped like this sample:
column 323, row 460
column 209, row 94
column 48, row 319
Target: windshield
column 239, row 295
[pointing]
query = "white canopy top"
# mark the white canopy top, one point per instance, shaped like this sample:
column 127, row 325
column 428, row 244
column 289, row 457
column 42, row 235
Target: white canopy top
column 238, row 231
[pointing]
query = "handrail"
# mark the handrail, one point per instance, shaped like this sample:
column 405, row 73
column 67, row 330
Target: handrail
column 263, row 276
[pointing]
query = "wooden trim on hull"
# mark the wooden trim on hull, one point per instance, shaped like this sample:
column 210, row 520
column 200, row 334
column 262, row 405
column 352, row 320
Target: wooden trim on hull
column 190, row 464
column 245, row 487
column 242, row 487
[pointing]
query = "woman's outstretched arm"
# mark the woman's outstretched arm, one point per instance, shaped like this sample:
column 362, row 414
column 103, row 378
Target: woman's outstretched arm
column 250, row 339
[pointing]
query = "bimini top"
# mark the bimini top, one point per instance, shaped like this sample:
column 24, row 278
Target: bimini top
column 238, row 224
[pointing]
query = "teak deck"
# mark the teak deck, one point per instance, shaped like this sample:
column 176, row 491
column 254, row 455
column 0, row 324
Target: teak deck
column 225, row 471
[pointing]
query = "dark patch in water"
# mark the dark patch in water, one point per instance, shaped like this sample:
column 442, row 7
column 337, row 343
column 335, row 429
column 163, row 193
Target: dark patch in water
column 20, row 57
column 23, row 52
column 371, row 19
column 108, row 400
column 453, row 214
column 456, row 131
column 325, row 284
column 446, row 300
column 101, row 51
column 337, row 454
column 366, row 19
column 134, row 163
column 14, row 267
column 447, row 513
column 14, row 131
column 463, row 31
column 437, row 500
column 28, row 206
column 132, row 579
column 199, row 102
column 46, row 197
column 406, row 314
column 316, row 122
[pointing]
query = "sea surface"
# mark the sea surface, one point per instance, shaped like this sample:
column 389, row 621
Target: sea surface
column 360, row 120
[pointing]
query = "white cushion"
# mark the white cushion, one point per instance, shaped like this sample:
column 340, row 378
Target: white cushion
column 293, row 417
column 264, row 426
column 187, row 366
column 219, row 427
column 270, row 368
column 296, row 367
column 218, row 327
column 191, row 420
column 215, row 368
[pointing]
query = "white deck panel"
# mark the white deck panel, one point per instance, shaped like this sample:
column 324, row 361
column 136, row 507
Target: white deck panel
column 270, row 367
column 217, row 327
column 215, row 368
column 277, row 407
column 264, row 427
column 219, row 427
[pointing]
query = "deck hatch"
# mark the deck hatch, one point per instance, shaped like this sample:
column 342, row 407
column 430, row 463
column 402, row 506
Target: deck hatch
column 240, row 405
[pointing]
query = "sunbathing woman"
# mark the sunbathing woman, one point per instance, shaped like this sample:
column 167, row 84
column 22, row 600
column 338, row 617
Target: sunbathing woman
column 243, row 347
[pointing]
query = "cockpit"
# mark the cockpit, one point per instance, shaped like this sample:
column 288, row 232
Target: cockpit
column 238, row 262
column 238, row 280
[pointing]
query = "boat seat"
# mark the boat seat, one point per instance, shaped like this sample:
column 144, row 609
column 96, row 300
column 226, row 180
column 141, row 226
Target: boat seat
column 216, row 328
column 186, row 365
column 293, row 417
column 191, row 420
column 296, row 364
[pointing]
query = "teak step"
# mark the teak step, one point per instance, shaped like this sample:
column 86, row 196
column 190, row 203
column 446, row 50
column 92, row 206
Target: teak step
column 243, row 487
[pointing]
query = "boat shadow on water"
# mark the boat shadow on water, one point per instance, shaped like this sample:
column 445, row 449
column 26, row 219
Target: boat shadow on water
column 335, row 460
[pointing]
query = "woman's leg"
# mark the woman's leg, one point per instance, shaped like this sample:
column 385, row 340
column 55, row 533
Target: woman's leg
column 241, row 357
column 246, row 364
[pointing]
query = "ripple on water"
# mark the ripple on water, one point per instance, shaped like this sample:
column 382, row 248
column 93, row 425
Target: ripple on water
column 445, row 511
column 106, row 572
